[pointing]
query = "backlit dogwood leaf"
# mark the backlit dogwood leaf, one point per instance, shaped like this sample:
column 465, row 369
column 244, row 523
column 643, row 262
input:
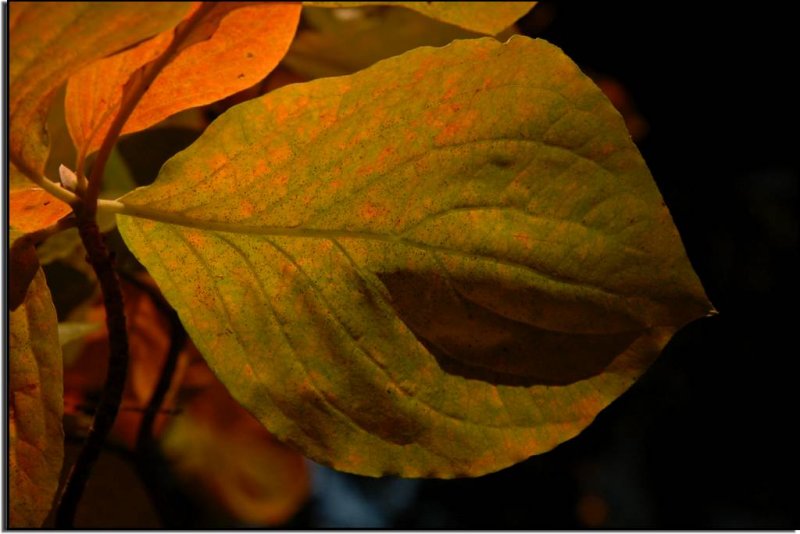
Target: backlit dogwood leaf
column 437, row 266
column 32, row 208
column 233, row 46
column 489, row 18
column 35, row 406
column 29, row 209
column 49, row 42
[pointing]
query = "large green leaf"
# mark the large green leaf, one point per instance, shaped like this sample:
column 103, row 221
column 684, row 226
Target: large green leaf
column 35, row 404
column 484, row 17
column 437, row 266
column 50, row 41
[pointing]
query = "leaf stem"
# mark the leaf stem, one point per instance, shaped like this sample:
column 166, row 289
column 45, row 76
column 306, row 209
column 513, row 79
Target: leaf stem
column 139, row 84
column 101, row 261
column 51, row 187
column 145, row 439
column 85, row 208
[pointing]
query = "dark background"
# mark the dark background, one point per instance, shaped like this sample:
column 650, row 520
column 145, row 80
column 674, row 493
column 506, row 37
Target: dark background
column 703, row 439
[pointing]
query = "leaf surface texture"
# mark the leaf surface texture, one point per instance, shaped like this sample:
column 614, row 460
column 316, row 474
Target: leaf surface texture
column 35, row 404
column 50, row 41
column 233, row 46
column 437, row 266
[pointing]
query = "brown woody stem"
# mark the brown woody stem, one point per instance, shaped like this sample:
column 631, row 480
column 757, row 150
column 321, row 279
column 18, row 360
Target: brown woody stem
column 141, row 81
column 98, row 256
column 102, row 263
column 178, row 337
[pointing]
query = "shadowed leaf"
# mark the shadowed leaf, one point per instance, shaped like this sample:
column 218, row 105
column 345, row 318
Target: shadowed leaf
column 29, row 209
column 223, row 454
column 331, row 46
column 149, row 341
column 49, row 42
column 437, row 266
column 234, row 45
column 483, row 17
column 36, row 437
column 23, row 264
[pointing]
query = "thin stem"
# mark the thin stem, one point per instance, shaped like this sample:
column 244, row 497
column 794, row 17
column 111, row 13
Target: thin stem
column 100, row 260
column 51, row 187
column 131, row 97
column 85, row 209
column 145, row 438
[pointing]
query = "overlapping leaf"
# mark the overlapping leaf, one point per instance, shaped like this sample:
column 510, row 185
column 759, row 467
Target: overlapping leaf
column 437, row 266
column 219, row 450
column 32, row 208
column 225, row 456
column 36, row 438
column 329, row 45
column 234, row 45
column 483, row 17
column 149, row 341
column 50, row 41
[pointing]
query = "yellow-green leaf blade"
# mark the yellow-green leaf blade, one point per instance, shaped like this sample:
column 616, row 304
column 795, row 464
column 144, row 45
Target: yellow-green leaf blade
column 437, row 266
column 50, row 41
column 484, row 17
column 35, row 384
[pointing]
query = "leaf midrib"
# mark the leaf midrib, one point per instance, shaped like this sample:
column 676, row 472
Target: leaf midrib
column 331, row 234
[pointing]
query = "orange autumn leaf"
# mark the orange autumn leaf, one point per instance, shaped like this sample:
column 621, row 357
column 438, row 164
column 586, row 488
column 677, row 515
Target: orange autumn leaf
column 49, row 41
column 35, row 436
column 34, row 208
column 224, row 454
column 217, row 447
column 233, row 46
column 149, row 339
column 29, row 209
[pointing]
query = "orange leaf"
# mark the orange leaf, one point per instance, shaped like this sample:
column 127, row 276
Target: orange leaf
column 148, row 339
column 226, row 455
column 222, row 451
column 49, row 41
column 235, row 45
column 34, row 208
column 35, row 436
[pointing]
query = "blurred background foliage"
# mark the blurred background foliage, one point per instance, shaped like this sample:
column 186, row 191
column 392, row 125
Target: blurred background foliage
column 701, row 441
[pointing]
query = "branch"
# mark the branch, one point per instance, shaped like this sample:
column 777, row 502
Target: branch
column 98, row 256
column 139, row 84
column 51, row 187
column 178, row 338
column 100, row 260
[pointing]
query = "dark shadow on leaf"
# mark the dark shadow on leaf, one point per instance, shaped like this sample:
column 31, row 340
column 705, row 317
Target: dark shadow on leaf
column 470, row 340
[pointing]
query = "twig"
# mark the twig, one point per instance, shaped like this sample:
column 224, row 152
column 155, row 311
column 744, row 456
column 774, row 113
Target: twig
column 100, row 260
column 97, row 255
column 131, row 97
column 178, row 338
column 53, row 188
